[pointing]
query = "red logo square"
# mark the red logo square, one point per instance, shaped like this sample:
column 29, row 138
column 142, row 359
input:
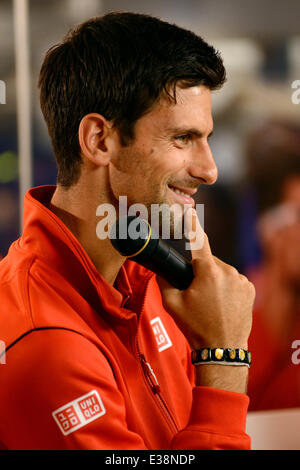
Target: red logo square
column 68, row 418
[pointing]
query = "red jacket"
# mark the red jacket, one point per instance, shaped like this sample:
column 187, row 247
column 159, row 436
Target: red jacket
column 91, row 366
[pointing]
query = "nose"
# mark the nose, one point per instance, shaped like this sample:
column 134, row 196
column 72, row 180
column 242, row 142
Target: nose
column 203, row 165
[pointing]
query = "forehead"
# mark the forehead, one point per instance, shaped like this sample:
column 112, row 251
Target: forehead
column 192, row 109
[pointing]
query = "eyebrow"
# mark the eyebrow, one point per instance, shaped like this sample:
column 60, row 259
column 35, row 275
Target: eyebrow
column 194, row 131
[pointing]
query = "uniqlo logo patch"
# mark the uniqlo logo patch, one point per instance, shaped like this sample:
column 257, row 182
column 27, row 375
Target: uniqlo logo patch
column 162, row 339
column 79, row 412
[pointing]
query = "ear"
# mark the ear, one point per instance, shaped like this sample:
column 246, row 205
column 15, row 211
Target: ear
column 98, row 139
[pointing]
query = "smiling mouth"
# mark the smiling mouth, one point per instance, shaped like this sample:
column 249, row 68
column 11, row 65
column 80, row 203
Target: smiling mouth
column 183, row 191
column 183, row 195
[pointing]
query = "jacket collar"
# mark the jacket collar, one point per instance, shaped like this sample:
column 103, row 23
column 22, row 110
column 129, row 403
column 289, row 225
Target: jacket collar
column 48, row 238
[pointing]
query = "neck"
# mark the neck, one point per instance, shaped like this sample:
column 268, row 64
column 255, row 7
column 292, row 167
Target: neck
column 76, row 207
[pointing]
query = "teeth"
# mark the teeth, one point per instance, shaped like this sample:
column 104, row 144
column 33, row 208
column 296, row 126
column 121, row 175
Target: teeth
column 179, row 192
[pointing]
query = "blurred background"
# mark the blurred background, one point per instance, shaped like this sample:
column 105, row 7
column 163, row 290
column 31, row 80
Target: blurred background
column 252, row 213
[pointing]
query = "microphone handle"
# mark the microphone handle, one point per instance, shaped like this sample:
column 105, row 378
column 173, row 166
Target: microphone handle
column 167, row 263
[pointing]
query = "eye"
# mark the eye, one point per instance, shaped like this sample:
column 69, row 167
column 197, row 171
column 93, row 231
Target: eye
column 184, row 138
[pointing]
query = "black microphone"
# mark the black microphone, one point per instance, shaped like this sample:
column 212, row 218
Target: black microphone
column 134, row 238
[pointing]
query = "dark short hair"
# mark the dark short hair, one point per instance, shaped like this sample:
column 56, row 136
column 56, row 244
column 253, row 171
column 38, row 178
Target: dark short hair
column 117, row 65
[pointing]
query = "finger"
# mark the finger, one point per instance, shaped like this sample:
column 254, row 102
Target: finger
column 230, row 269
column 199, row 244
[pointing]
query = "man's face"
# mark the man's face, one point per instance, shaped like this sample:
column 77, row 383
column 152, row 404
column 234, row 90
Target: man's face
column 170, row 154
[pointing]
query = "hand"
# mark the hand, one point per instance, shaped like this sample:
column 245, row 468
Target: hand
column 216, row 309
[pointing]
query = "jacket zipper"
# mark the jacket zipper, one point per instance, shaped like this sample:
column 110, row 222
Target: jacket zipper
column 152, row 381
column 149, row 375
column 151, row 378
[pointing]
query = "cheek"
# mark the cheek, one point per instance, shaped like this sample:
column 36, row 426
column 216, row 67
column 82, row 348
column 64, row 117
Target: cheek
column 124, row 172
column 135, row 180
column 143, row 174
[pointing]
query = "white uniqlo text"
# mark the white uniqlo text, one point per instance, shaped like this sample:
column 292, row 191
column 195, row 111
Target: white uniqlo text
column 162, row 339
column 79, row 412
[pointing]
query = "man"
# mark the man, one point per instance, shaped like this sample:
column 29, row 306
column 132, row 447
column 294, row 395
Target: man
column 98, row 356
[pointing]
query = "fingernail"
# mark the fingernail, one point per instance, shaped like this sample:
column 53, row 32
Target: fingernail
column 190, row 223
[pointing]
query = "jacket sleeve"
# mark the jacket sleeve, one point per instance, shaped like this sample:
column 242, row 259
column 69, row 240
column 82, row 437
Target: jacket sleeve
column 60, row 393
column 217, row 421
column 217, row 418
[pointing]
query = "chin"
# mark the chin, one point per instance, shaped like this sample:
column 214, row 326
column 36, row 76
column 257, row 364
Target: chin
column 168, row 224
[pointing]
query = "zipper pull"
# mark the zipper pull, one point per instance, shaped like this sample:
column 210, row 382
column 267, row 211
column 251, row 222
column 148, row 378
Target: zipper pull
column 150, row 373
column 125, row 300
